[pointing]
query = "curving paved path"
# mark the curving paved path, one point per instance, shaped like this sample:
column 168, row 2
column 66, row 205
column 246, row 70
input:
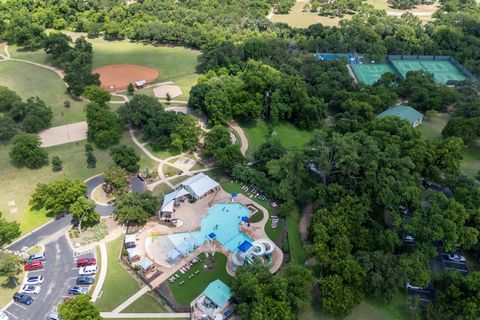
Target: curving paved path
column 103, row 272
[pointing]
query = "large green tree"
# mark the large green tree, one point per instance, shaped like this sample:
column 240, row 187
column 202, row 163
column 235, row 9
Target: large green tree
column 186, row 134
column 84, row 211
column 27, row 151
column 104, row 128
column 79, row 308
column 135, row 207
column 126, row 157
column 58, row 196
column 217, row 138
column 116, row 179
column 10, row 265
column 8, row 231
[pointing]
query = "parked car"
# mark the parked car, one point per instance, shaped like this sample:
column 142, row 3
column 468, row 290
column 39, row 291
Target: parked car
column 3, row 316
column 54, row 316
column 76, row 290
column 409, row 239
column 36, row 257
column 86, row 271
column 85, row 280
column 456, row 257
column 33, row 280
column 30, row 289
column 85, row 262
column 36, row 265
column 22, row 298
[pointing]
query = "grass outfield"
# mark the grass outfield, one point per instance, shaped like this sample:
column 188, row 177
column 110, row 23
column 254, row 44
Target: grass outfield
column 119, row 285
column 145, row 304
column 299, row 19
column 185, row 293
column 22, row 182
column 30, row 81
column 289, row 135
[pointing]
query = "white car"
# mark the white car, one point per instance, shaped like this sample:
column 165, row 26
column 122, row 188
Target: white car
column 456, row 257
column 30, row 289
column 409, row 286
column 86, row 271
column 33, row 280
column 3, row 316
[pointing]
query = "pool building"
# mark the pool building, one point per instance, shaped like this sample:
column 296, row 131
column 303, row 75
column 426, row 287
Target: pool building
column 405, row 113
column 213, row 303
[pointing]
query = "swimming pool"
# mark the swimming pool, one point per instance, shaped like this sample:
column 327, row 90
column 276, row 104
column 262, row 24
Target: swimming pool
column 223, row 220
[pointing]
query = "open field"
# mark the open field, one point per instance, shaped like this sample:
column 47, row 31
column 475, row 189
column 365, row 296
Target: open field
column 145, row 304
column 384, row 5
column 289, row 135
column 119, row 285
column 188, row 291
column 22, row 181
column 471, row 160
column 30, row 81
column 299, row 19
column 432, row 128
column 164, row 153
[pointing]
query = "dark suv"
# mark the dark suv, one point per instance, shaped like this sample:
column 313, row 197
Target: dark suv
column 85, row 280
column 22, row 298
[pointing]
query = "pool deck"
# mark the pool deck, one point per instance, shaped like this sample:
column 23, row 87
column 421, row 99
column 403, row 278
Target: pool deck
column 191, row 214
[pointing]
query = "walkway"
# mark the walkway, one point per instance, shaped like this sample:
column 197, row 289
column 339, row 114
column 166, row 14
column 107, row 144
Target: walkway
column 241, row 134
column 103, row 271
column 169, row 315
column 132, row 298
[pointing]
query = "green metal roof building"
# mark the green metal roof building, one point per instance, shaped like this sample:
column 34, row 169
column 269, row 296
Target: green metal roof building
column 218, row 292
column 403, row 112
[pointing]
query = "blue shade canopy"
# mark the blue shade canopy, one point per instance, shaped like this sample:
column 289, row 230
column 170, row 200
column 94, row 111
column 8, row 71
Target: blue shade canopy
column 245, row 219
column 212, row 235
column 244, row 246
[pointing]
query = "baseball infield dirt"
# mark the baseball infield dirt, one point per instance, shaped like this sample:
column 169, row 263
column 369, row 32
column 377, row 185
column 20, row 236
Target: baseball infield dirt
column 116, row 77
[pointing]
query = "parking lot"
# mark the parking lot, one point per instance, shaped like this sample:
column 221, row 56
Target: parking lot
column 453, row 265
column 59, row 272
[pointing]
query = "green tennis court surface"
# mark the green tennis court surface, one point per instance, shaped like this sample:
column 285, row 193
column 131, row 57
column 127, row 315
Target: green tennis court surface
column 370, row 73
column 443, row 71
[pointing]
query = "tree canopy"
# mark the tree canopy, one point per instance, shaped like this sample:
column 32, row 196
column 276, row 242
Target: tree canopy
column 135, row 207
column 79, row 308
column 27, row 151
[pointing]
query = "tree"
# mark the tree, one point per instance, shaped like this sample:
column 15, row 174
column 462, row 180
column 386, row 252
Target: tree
column 10, row 265
column 139, row 110
column 130, row 89
column 226, row 158
column 27, row 151
column 217, row 138
column 8, row 128
column 56, row 164
column 465, row 128
column 37, row 115
column 299, row 282
column 336, row 297
column 186, row 134
column 97, row 94
column 58, row 196
column 8, row 231
column 79, row 308
column 84, row 211
column 135, row 207
column 126, row 157
column 8, row 98
column 104, row 127
column 271, row 149
column 91, row 160
column 57, row 44
column 116, row 179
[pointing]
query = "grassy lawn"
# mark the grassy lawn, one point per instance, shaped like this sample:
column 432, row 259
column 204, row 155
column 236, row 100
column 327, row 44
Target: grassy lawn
column 153, row 318
column 289, row 135
column 432, row 128
column 384, row 5
column 367, row 310
column 145, row 304
column 145, row 162
column 471, row 160
column 170, row 171
column 178, row 180
column 164, row 153
column 299, row 19
column 295, row 243
column 22, row 181
column 7, row 289
column 188, row 291
column 161, row 189
column 119, row 285
column 31, row 81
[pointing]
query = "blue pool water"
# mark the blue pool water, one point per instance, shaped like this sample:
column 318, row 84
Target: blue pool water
column 223, row 220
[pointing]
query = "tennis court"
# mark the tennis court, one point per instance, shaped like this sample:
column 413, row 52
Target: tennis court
column 370, row 73
column 443, row 71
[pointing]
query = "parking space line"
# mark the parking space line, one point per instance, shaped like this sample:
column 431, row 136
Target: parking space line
column 20, row 306
column 41, row 270
column 11, row 314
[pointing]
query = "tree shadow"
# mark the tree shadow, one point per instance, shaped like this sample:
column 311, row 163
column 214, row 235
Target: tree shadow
column 9, row 283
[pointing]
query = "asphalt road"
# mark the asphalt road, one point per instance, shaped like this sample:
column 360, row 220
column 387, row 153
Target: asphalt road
column 60, row 272
column 92, row 184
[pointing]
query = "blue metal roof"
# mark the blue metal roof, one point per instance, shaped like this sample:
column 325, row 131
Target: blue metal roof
column 244, row 246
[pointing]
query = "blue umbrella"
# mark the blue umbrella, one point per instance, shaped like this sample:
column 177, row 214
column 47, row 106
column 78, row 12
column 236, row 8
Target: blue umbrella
column 245, row 219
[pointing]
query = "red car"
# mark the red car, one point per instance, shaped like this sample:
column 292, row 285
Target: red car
column 85, row 262
column 35, row 265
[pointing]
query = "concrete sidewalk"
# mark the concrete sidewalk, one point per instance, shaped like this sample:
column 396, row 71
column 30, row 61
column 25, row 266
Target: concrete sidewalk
column 113, row 315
